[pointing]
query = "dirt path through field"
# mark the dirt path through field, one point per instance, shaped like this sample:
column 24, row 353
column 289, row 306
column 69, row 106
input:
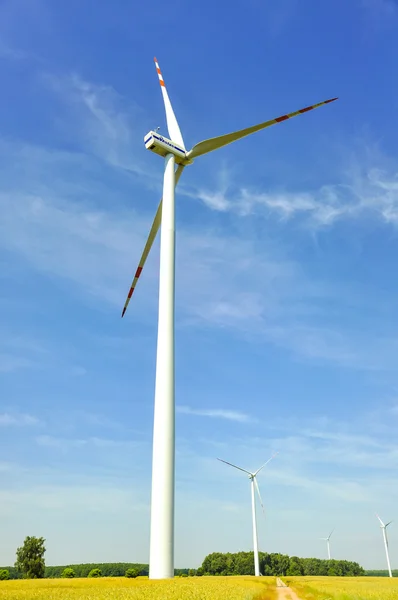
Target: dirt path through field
column 284, row 592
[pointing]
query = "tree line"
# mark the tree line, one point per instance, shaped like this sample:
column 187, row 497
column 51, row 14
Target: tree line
column 381, row 573
column 88, row 570
column 242, row 563
column 30, row 564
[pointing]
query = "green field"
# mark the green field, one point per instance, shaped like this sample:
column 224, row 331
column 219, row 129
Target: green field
column 344, row 588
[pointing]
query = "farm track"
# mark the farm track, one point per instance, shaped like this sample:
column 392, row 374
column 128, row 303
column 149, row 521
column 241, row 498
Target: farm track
column 284, row 592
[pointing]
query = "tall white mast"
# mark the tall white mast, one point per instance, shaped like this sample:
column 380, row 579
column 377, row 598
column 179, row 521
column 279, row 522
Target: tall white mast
column 253, row 484
column 384, row 530
column 161, row 559
column 255, row 537
column 327, row 540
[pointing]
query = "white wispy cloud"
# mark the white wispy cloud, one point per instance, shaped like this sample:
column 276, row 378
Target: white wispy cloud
column 19, row 352
column 215, row 413
column 96, row 247
column 10, row 363
column 78, row 371
column 101, row 121
column 371, row 192
column 18, row 419
column 101, row 498
column 66, row 444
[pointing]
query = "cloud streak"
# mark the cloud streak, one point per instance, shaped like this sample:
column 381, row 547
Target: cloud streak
column 215, row 413
column 373, row 192
column 66, row 444
column 17, row 419
column 102, row 122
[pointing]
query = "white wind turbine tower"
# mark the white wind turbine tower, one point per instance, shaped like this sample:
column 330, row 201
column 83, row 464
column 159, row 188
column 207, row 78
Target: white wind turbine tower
column 384, row 529
column 327, row 539
column 254, row 484
column 173, row 150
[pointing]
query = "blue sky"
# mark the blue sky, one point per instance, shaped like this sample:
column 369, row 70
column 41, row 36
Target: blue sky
column 286, row 320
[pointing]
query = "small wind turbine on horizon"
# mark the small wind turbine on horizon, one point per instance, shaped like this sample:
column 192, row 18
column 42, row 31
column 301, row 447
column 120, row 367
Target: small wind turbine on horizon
column 384, row 529
column 327, row 539
column 254, row 484
column 161, row 554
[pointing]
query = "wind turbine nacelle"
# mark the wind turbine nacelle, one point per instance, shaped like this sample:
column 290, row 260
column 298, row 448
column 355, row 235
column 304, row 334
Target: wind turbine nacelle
column 163, row 146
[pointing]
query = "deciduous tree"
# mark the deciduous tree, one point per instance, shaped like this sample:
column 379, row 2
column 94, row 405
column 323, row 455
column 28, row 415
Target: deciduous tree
column 30, row 558
column 132, row 572
column 68, row 573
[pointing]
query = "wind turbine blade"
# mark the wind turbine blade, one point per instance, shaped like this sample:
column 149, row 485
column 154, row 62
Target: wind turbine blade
column 151, row 238
column 218, row 142
column 231, row 465
column 330, row 534
column 266, row 463
column 382, row 524
column 172, row 124
column 259, row 495
column 387, row 524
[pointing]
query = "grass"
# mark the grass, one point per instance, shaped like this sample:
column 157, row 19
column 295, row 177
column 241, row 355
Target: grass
column 344, row 588
column 121, row 588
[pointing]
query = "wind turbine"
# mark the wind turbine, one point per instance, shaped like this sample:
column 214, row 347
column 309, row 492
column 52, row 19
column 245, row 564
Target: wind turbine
column 173, row 150
column 254, row 484
column 327, row 539
column 384, row 529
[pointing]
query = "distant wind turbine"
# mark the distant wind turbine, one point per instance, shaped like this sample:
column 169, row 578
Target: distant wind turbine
column 327, row 540
column 254, row 484
column 384, row 529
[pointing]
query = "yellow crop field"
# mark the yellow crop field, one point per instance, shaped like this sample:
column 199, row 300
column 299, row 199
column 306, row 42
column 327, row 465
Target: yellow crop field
column 344, row 588
column 121, row 588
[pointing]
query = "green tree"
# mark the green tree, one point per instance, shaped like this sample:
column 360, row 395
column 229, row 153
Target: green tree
column 30, row 558
column 295, row 566
column 4, row 574
column 95, row 573
column 132, row 573
column 68, row 573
